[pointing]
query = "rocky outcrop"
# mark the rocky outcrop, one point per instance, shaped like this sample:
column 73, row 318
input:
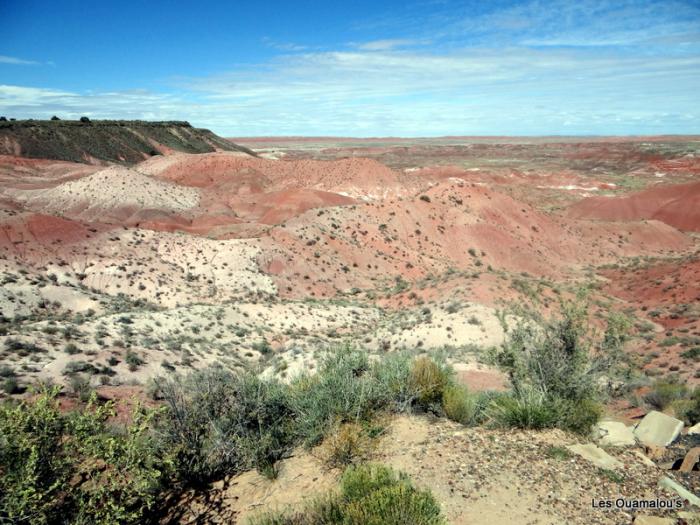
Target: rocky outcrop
column 658, row 429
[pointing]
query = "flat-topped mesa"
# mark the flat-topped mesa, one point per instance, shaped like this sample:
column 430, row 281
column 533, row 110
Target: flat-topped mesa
column 102, row 141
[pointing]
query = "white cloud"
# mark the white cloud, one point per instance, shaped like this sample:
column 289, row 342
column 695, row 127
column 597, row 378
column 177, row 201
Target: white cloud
column 283, row 46
column 598, row 67
column 16, row 61
column 387, row 45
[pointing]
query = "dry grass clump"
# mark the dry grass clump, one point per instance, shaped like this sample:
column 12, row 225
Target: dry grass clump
column 346, row 444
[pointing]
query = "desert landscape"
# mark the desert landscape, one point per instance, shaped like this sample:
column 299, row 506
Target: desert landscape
column 144, row 263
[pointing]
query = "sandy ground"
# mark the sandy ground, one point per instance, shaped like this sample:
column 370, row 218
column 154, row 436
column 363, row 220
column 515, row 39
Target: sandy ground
column 479, row 477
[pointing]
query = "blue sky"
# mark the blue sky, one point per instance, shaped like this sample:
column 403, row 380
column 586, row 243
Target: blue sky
column 361, row 68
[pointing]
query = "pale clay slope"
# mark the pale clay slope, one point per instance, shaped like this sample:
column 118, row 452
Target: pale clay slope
column 225, row 332
column 171, row 268
column 114, row 188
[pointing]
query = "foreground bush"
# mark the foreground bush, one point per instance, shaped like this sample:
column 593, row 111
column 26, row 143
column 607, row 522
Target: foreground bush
column 671, row 396
column 528, row 409
column 73, row 468
column 220, row 423
column 369, row 495
column 344, row 389
column 555, row 370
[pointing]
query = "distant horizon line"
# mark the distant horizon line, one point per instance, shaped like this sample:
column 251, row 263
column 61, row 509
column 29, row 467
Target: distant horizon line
column 409, row 137
column 262, row 138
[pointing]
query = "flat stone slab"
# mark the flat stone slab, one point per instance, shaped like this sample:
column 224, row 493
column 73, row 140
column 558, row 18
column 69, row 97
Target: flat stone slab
column 695, row 429
column 653, row 520
column 596, row 455
column 691, row 517
column 615, row 434
column 656, row 428
column 644, row 459
column 691, row 458
column 679, row 489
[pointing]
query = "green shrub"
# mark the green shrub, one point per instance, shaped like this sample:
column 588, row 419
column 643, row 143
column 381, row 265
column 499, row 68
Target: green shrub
column 665, row 392
column 360, row 481
column 11, row 386
column 551, row 356
column 692, row 354
column 580, row 416
column 220, row 423
column 459, row 405
column 71, row 349
column 687, row 408
column 529, row 409
column 263, row 347
column 560, row 453
column 377, row 495
column 692, row 413
column 429, row 380
column 133, row 360
column 76, row 367
column 80, row 386
column 555, row 369
column 396, row 505
column 342, row 390
column 35, row 469
column 72, row 468
column 534, row 410
column 369, row 495
column 393, row 375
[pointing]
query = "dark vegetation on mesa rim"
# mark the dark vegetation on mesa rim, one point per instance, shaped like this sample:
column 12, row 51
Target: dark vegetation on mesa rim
column 93, row 141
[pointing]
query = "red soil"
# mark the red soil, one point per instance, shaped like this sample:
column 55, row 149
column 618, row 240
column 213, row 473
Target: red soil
column 279, row 206
column 244, row 174
column 461, row 226
column 30, row 228
column 666, row 283
column 677, row 205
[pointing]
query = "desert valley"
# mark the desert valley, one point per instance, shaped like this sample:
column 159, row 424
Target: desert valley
column 136, row 252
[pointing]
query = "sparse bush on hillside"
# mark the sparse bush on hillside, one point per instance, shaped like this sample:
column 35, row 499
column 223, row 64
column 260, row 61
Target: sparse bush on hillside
column 133, row 360
column 263, row 347
column 343, row 390
column 393, row 374
column 459, row 405
column 80, row 386
column 11, row 386
column 429, row 380
column 665, row 392
column 526, row 409
column 554, row 371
